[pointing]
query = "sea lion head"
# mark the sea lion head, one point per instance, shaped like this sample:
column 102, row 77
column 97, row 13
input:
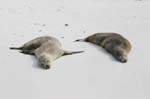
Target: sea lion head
column 44, row 61
column 121, row 56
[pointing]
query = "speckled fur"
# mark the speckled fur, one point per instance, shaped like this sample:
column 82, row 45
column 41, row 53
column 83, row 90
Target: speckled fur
column 46, row 49
column 114, row 43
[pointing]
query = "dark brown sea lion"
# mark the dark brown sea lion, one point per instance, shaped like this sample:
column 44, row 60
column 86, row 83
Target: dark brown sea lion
column 114, row 43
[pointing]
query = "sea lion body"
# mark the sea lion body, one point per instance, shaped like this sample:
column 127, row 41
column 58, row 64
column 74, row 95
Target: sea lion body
column 46, row 49
column 37, row 42
column 114, row 43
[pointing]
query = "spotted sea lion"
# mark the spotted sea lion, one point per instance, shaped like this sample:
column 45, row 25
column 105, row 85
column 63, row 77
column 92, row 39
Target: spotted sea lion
column 46, row 49
column 114, row 43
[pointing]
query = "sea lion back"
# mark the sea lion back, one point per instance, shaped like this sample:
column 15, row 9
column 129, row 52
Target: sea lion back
column 98, row 38
column 116, row 40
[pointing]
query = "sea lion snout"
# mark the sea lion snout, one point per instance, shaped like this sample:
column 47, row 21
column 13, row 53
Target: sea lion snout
column 44, row 61
column 122, row 59
column 46, row 66
column 121, row 56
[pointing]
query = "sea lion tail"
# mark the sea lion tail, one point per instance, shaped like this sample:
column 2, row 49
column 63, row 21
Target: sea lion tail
column 16, row 48
column 73, row 52
column 79, row 40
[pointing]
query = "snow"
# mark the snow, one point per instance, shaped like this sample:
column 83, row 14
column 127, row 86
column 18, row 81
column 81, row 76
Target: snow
column 93, row 74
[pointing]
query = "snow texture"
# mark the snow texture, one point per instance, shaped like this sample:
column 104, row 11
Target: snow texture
column 93, row 74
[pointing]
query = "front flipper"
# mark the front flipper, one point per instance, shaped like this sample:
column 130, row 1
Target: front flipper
column 72, row 52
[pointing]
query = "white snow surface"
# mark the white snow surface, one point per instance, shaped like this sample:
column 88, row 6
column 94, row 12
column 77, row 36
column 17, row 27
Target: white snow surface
column 93, row 74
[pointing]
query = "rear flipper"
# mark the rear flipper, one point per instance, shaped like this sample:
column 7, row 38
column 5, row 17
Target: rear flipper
column 73, row 52
column 27, row 46
column 24, row 51
column 31, row 45
column 28, row 52
column 79, row 40
column 16, row 48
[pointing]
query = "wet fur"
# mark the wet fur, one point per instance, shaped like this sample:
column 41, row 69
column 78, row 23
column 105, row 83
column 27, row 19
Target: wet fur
column 114, row 43
column 46, row 49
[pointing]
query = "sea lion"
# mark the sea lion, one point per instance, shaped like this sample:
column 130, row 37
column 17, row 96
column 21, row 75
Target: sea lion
column 46, row 49
column 114, row 43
